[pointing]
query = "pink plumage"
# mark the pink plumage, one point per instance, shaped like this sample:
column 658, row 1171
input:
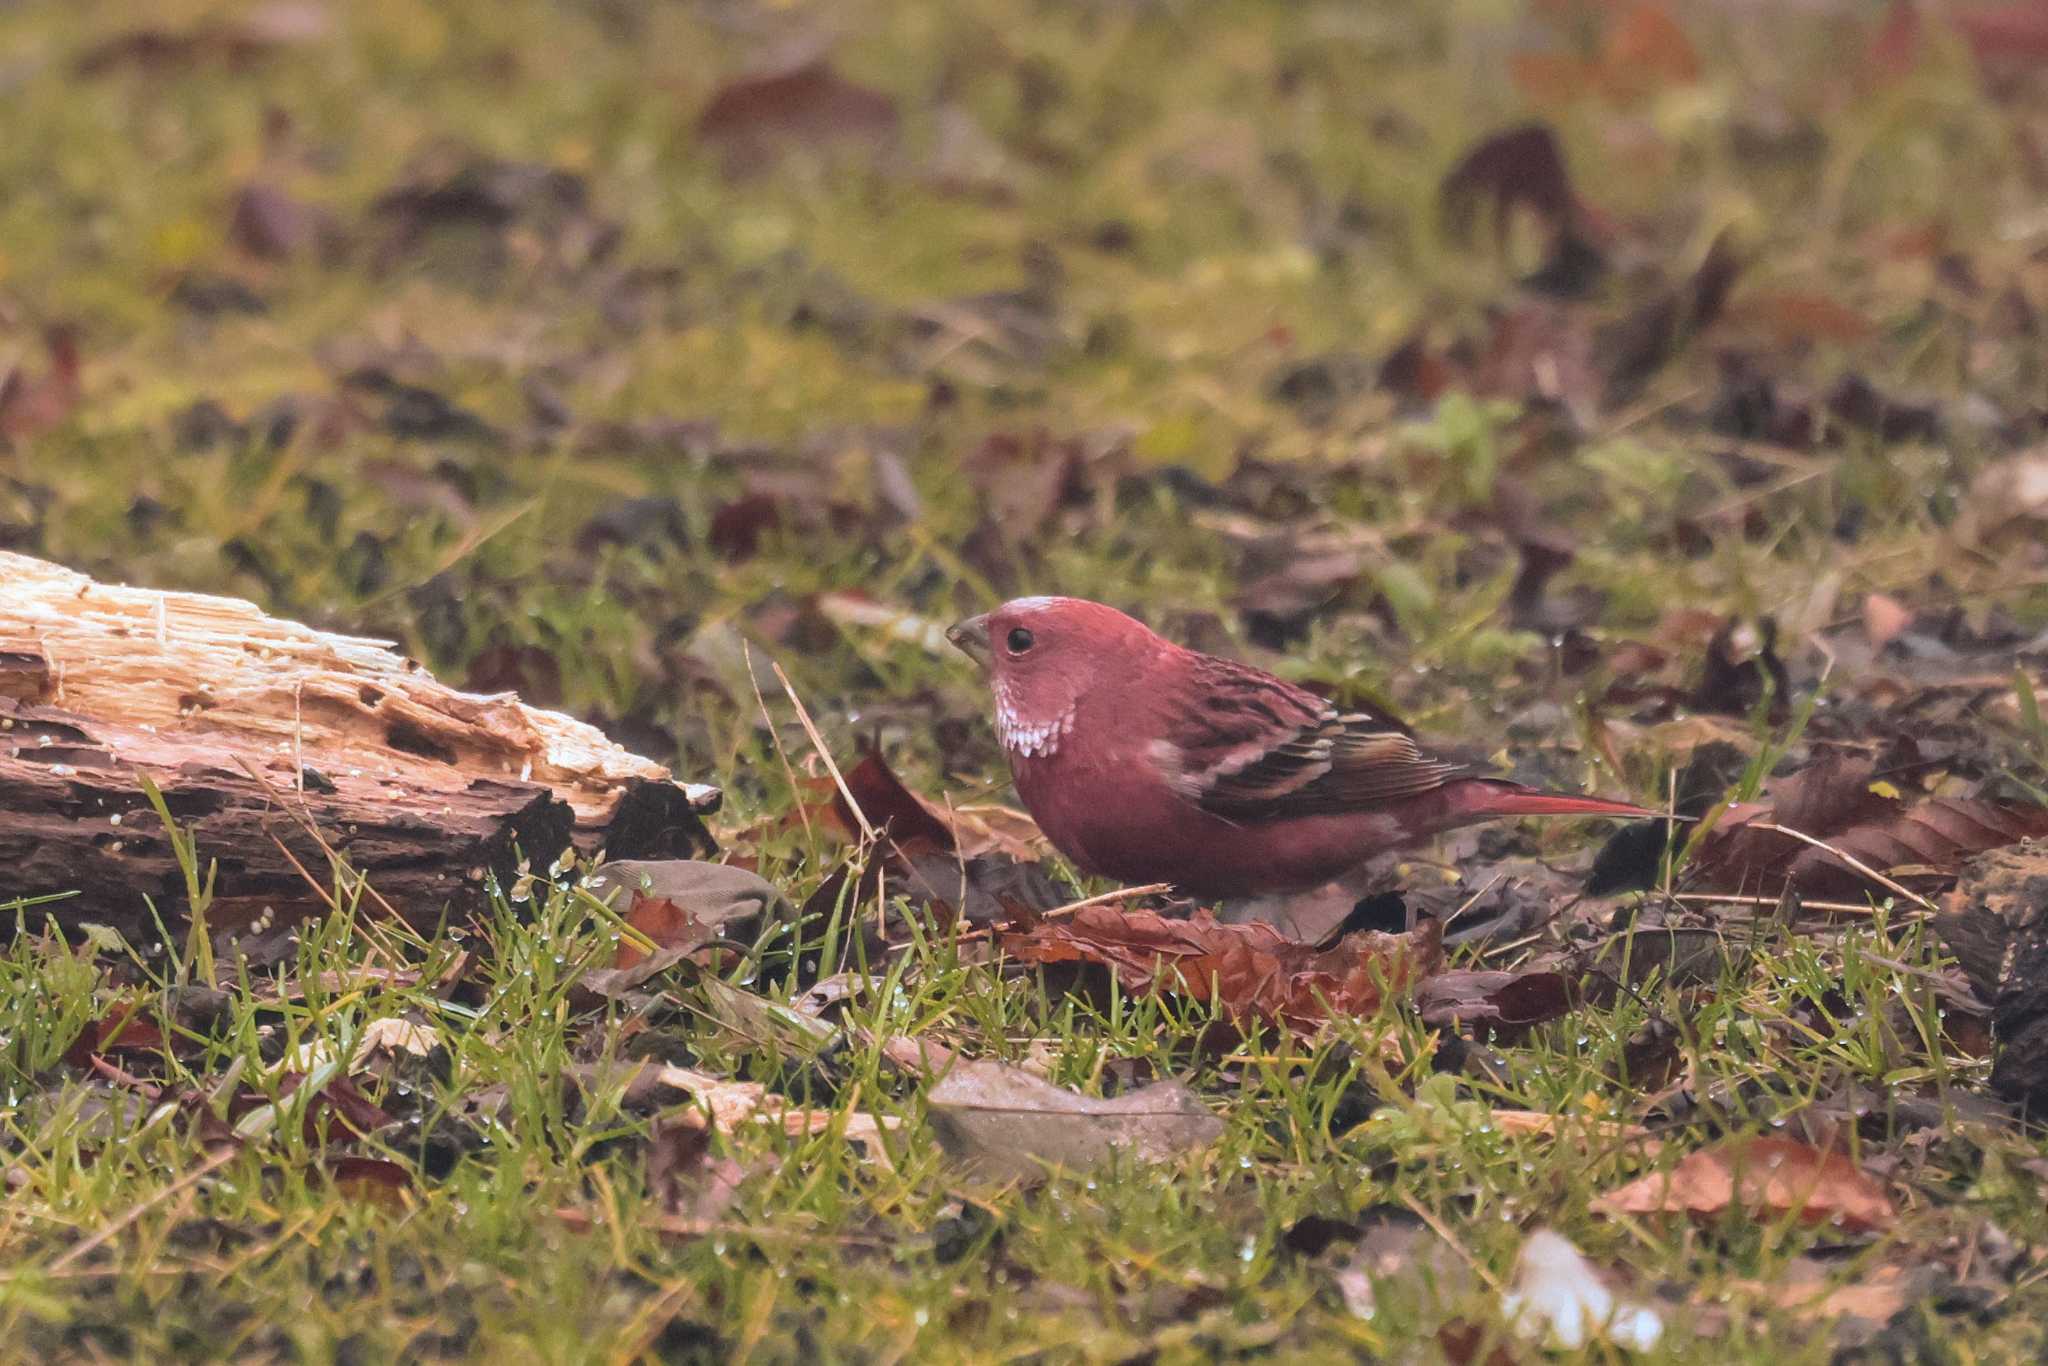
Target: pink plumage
column 1147, row 762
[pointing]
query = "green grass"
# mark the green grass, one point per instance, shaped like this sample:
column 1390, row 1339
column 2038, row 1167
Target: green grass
column 1231, row 190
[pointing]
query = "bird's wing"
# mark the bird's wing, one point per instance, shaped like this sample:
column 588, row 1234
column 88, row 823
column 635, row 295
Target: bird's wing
column 1258, row 749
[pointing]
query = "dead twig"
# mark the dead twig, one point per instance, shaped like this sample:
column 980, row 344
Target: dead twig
column 1737, row 899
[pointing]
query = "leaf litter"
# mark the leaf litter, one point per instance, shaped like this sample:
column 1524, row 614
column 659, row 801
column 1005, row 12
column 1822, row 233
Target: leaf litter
column 1399, row 505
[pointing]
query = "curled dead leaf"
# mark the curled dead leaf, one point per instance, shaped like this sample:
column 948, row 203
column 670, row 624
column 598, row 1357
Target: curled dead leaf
column 1248, row 970
column 1764, row 1178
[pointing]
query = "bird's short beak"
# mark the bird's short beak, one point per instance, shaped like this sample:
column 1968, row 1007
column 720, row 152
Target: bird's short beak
column 970, row 637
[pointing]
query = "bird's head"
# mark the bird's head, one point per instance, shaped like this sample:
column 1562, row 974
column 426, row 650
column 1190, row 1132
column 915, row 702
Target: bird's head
column 1043, row 656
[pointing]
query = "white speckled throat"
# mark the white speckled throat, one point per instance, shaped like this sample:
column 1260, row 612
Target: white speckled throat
column 1033, row 736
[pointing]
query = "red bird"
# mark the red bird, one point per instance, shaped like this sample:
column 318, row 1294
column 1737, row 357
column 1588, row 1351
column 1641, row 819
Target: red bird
column 1146, row 762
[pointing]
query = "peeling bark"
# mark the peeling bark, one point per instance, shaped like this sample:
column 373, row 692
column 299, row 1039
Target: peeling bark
column 260, row 732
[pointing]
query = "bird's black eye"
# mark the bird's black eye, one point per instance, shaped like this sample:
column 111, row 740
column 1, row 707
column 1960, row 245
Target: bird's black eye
column 1020, row 640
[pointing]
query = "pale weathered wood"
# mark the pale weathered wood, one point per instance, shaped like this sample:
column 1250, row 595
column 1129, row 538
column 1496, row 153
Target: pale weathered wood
column 256, row 728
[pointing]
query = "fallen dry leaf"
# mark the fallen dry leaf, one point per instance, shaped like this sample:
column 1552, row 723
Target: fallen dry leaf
column 1763, row 1177
column 1508, row 1003
column 1006, row 1124
column 1834, row 800
column 726, row 1105
column 1807, row 1288
column 685, row 1178
column 679, row 905
column 1249, row 969
column 393, row 1035
column 806, row 104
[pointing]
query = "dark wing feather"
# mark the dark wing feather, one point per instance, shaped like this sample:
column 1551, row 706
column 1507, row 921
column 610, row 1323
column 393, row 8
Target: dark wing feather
column 1262, row 749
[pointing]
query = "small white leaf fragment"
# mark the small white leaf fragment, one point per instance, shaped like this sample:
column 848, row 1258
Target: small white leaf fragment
column 1558, row 1297
column 393, row 1035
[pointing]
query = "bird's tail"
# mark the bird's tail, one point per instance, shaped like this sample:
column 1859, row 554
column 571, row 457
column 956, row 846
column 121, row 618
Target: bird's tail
column 1510, row 799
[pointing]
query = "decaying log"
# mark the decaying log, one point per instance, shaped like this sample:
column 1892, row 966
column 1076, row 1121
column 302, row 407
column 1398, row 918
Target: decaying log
column 1996, row 924
column 269, row 739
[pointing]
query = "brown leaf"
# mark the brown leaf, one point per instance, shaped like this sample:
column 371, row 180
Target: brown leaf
column 917, row 825
column 1801, row 316
column 727, row 1105
column 123, row 1031
column 338, row 1103
column 272, row 225
column 1521, row 167
column 685, row 1178
column 1832, row 800
column 1248, row 970
column 680, row 904
column 1506, row 1003
column 32, row 405
column 1024, row 478
column 1642, row 51
column 891, row 808
column 757, row 118
column 1807, row 1288
column 666, row 924
column 1765, row 1178
column 237, row 44
column 1009, row 1125
column 370, row 1180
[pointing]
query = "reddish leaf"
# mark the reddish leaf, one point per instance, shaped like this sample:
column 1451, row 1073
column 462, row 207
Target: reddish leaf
column 1896, row 48
column 1246, row 969
column 1885, row 618
column 681, row 905
column 1643, row 50
column 670, row 927
column 338, row 1103
column 123, row 1031
column 1765, row 1178
column 1647, row 51
column 1797, row 316
column 2010, row 34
